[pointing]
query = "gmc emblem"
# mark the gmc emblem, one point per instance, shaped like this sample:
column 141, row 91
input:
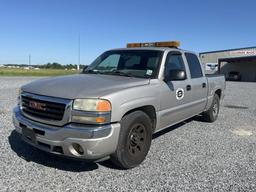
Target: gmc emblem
column 36, row 105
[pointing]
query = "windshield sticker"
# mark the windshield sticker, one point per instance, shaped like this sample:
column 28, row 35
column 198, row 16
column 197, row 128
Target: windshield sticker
column 149, row 72
column 179, row 93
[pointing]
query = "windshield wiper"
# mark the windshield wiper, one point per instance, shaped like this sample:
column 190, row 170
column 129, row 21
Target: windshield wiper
column 114, row 72
column 121, row 73
column 90, row 71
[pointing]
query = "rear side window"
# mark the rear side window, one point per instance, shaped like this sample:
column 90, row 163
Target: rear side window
column 194, row 65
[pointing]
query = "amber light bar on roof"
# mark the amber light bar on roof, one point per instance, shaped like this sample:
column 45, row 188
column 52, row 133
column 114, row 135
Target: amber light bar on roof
column 174, row 44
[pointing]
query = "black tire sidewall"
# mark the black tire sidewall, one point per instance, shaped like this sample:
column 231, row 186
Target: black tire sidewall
column 215, row 99
column 123, row 155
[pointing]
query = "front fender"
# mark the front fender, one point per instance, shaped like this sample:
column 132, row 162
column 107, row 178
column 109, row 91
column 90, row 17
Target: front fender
column 130, row 99
column 137, row 103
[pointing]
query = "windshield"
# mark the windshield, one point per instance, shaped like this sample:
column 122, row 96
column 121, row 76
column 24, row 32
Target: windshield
column 134, row 63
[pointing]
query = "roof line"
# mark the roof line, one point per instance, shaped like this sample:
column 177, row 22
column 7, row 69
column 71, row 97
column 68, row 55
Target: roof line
column 227, row 50
column 234, row 58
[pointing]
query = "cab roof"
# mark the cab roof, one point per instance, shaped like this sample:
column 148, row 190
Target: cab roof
column 154, row 49
column 147, row 48
column 157, row 46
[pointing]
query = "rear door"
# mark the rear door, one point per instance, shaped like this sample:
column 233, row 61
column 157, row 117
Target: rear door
column 198, row 84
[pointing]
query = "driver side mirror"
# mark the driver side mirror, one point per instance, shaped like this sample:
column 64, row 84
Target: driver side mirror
column 175, row 75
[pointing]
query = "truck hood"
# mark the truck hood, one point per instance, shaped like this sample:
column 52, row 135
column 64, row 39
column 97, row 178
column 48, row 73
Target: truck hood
column 82, row 85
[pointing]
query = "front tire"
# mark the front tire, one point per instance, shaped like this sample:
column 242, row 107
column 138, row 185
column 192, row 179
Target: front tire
column 212, row 114
column 134, row 140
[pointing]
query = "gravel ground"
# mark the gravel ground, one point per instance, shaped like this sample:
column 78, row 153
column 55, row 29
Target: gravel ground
column 193, row 156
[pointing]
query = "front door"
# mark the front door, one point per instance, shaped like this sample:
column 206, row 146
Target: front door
column 175, row 95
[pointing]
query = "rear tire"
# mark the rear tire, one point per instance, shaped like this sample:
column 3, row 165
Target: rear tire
column 212, row 114
column 134, row 140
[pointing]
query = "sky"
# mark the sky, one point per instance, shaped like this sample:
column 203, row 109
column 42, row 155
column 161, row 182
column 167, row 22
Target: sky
column 48, row 30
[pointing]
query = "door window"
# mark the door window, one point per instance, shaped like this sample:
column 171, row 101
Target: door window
column 174, row 62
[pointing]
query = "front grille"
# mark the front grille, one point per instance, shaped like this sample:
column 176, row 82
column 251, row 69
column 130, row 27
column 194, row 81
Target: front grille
column 42, row 109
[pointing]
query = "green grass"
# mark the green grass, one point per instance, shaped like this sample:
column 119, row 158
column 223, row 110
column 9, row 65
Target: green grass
column 33, row 72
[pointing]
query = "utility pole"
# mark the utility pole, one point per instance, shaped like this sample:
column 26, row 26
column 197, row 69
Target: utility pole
column 29, row 59
column 78, row 65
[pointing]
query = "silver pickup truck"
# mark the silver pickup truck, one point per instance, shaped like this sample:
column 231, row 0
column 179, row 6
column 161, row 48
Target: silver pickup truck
column 114, row 106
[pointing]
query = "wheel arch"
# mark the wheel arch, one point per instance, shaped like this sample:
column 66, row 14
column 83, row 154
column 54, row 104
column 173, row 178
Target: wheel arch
column 149, row 110
column 218, row 92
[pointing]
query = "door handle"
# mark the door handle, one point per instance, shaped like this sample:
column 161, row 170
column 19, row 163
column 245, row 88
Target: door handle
column 188, row 87
column 204, row 85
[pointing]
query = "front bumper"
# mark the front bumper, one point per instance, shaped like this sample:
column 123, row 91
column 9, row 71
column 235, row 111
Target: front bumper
column 97, row 142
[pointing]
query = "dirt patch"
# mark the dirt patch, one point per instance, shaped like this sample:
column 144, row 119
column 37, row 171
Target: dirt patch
column 244, row 131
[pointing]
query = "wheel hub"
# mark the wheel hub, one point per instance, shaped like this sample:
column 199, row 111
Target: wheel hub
column 137, row 139
column 134, row 138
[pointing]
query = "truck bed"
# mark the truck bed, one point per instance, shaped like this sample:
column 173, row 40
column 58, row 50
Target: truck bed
column 215, row 82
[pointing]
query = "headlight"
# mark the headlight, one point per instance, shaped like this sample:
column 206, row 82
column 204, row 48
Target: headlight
column 96, row 105
column 91, row 111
